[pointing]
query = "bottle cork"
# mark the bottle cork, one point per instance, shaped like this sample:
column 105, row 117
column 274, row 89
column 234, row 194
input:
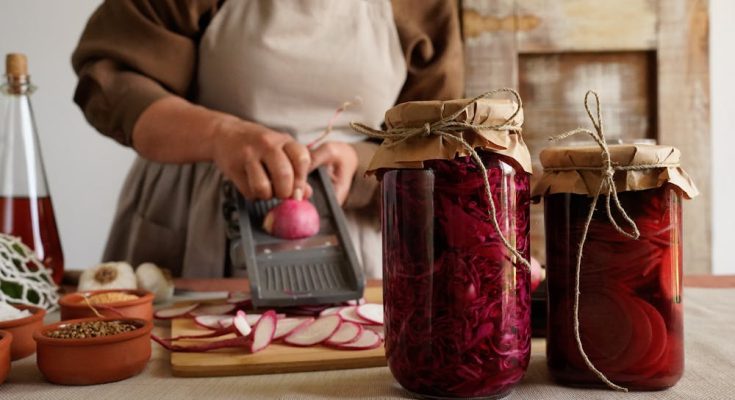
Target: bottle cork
column 16, row 64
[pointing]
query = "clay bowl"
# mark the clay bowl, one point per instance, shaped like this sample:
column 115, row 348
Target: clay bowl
column 91, row 361
column 6, row 338
column 73, row 305
column 22, row 330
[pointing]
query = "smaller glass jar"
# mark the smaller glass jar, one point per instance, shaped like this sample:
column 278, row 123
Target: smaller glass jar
column 630, row 304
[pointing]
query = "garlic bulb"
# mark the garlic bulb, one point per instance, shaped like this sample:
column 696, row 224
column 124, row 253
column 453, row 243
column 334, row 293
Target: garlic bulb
column 110, row 275
column 155, row 280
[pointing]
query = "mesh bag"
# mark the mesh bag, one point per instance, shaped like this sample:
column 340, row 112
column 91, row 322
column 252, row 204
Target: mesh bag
column 23, row 278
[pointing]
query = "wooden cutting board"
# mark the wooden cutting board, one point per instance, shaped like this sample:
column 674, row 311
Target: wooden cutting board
column 276, row 358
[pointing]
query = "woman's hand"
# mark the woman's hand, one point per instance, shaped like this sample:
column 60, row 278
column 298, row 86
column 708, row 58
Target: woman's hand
column 261, row 162
column 341, row 161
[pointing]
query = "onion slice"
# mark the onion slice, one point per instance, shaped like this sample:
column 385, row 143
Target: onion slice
column 240, row 322
column 371, row 312
column 238, row 341
column 175, row 312
column 349, row 313
column 366, row 341
column 330, row 311
column 214, row 309
column 379, row 329
column 315, row 332
column 263, row 331
column 287, row 325
column 212, row 322
column 348, row 332
column 238, row 298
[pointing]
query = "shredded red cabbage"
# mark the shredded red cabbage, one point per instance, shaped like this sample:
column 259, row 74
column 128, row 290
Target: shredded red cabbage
column 457, row 311
column 630, row 304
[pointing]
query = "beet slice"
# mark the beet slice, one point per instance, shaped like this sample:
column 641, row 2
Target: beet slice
column 650, row 361
column 605, row 326
column 641, row 339
column 314, row 333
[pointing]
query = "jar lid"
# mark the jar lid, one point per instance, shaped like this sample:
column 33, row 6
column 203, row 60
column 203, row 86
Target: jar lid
column 579, row 170
column 492, row 124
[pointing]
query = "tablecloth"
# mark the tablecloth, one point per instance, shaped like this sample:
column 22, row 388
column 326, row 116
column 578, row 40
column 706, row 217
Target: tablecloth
column 709, row 373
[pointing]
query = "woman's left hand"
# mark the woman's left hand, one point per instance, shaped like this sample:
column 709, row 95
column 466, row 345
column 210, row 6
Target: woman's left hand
column 341, row 161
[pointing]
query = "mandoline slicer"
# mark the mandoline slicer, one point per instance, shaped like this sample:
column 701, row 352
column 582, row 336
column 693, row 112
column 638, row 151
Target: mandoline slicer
column 317, row 270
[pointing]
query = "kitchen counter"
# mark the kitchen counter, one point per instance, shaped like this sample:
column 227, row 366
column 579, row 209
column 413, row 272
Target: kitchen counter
column 709, row 373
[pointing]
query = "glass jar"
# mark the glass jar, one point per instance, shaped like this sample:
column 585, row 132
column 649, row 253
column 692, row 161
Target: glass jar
column 630, row 310
column 457, row 307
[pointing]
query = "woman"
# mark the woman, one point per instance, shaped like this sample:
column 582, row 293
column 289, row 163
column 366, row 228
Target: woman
column 210, row 90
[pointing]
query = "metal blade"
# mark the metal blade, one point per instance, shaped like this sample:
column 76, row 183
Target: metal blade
column 298, row 244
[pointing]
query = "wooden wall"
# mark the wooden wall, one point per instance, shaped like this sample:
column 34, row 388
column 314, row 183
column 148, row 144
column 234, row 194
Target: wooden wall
column 648, row 60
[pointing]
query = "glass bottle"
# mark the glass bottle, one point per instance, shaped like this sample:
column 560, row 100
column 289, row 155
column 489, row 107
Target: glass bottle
column 457, row 309
column 26, row 210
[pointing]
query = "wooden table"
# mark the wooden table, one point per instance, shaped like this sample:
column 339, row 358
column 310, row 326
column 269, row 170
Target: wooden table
column 710, row 368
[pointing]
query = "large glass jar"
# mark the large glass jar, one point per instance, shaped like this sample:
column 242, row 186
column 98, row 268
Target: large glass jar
column 457, row 303
column 630, row 304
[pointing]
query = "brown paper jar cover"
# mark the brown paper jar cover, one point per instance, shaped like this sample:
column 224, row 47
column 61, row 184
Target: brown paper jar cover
column 412, row 152
column 581, row 181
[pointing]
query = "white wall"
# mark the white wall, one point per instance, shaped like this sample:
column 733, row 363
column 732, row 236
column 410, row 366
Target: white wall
column 84, row 169
column 722, row 66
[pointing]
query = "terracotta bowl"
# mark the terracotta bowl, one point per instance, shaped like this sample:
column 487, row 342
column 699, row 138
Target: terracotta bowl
column 22, row 331
column 6, row 338
column 91, row 361
column 73, row 305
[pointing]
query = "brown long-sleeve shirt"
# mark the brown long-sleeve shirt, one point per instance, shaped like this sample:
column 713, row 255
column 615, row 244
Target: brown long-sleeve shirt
column 135, row 52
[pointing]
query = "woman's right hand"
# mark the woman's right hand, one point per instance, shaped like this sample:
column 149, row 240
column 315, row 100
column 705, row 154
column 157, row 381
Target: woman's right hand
column 261, row 162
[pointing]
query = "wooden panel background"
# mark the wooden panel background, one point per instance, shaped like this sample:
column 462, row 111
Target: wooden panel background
column 648, row 60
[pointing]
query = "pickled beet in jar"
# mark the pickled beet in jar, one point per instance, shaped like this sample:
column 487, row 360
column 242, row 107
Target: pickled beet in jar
column 457, row 299
column 630, row 301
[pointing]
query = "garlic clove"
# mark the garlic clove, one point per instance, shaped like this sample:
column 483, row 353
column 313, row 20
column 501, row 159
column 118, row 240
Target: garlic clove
column 109, row 275
column 155, row 280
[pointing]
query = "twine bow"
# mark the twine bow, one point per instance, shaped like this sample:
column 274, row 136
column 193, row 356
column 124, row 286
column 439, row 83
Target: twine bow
column 608, row 189
column 450, row 129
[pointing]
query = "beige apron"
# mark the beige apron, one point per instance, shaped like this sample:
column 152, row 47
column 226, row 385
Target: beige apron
column 284, row 64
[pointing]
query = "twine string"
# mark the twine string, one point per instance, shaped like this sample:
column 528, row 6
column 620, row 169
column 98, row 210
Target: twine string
column 93, row 308
column 449, row 129
column 102, row 307
column 608, row 189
